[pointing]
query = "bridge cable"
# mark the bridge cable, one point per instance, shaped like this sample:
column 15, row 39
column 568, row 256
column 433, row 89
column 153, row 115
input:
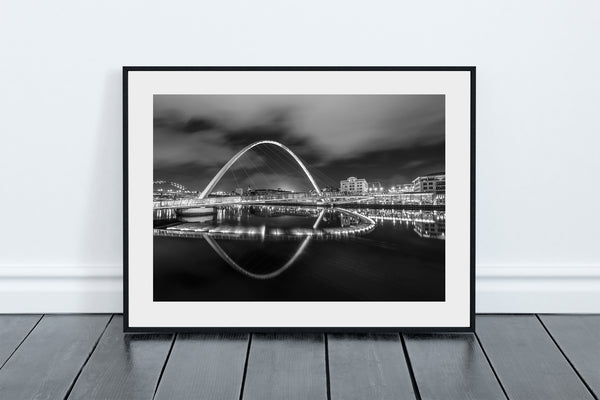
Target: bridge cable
column 259, row 171
column 323, row 176
column 245, row 171
column 235, row 179
column 309, row 167
column 295, row 167
column 267, row 161
column 301, row 172
column 285, row 173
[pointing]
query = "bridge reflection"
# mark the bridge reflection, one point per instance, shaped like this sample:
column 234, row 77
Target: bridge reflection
column 263, row 223
column 329, row 223
column 270, row 275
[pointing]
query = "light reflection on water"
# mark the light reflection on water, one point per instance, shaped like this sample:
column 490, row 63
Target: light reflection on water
column 429, row 224
column 398, row 259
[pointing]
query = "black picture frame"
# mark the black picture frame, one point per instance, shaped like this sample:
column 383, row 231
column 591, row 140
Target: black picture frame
column 126, row 279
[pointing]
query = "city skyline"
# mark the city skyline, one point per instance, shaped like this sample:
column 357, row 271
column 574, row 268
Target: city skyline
column 177, row 187
column 194, row 136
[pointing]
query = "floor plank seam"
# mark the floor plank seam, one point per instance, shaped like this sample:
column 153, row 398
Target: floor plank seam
column 566, row 358
column 245, row 366
column 491, row 366
column 327, row 373
column 21, row 342
column 87, row 358
column 162, row 370
column 411, row 372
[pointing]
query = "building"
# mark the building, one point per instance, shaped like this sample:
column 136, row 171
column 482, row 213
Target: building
column 434, row 183
column 354, row 185
column 403, row 188
column 329, row 191
column 239, row 191
column 267, row 192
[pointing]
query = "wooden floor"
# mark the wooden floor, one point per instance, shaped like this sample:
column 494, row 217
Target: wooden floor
column 511, row 356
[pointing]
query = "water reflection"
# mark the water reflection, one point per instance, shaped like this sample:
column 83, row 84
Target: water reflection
column 219, row 250
column 264, row 223
column 430, row 224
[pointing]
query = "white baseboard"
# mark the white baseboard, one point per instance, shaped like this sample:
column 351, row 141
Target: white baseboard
column 562, row 289
column 499, row 289
column 61, row 289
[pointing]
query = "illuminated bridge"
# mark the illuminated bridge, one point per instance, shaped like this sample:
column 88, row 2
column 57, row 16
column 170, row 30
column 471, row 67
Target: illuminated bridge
column 293, row 198
column 195, row 229
column 203, row 200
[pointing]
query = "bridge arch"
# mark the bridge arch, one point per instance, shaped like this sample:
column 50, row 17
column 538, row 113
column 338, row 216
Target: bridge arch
column 225, row 168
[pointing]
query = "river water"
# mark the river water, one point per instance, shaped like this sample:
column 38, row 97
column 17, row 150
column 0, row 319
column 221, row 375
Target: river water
column 271, row 253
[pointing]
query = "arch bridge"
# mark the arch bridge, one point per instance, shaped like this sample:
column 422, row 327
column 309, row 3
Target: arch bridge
column 214, row 181
column 203, row 200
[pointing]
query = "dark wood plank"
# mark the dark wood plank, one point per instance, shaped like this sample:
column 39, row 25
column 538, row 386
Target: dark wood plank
column 526, row 360
column 13, row 329
column 123, row 366
column 286, row 366
column 579, row 338
column 46, row 364
column 205, row 366
column 368, row 366
column 451, row 366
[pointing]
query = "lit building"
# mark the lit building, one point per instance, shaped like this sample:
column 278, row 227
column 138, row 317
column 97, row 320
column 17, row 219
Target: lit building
column 354, row 185
column 430, row 183
column 403, row 188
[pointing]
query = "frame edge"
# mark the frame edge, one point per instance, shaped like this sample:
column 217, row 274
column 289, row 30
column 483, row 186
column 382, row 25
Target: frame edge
column 128, row 329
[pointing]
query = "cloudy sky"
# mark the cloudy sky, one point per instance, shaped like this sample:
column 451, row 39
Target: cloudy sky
column 386, row 138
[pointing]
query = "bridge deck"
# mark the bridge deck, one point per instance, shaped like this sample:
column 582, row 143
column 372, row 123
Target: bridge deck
column 356, row 201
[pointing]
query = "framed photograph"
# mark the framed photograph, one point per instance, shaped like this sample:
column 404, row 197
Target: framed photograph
column 299, row 198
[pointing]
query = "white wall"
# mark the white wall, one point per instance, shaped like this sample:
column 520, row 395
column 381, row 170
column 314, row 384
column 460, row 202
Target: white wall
column 538, row 127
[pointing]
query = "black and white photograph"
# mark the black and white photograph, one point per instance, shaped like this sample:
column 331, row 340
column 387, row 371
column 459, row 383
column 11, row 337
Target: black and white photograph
column 293, row 197
column 299, row 197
